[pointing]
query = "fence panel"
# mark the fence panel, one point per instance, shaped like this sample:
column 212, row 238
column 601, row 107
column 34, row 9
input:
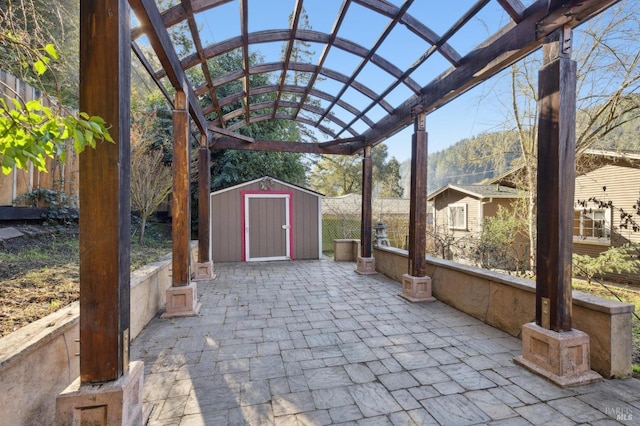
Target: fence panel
column 341, row 219
column 61, row 176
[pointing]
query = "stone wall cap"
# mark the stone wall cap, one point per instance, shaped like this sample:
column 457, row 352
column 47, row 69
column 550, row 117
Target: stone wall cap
column 32, row 336
column 596, row 303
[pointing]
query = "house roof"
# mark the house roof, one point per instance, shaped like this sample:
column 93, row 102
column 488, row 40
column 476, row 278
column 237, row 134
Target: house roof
column 269, row 178
column 479, row 191
column 593, row 159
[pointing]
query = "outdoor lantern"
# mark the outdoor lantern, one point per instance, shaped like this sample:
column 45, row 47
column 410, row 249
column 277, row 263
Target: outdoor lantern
column 381, row 235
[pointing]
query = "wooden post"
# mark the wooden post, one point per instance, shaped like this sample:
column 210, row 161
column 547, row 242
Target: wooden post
column 555, row 182
column 105, row 212
column 203, row 269
column 182, row 296
column 204, row 185
column 418, row 202
column 416, row 285
column 181, row 218
column 366, row 264
column 550, row 347
column 367, row 185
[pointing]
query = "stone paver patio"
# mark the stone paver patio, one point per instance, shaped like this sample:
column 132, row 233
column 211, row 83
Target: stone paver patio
column 314, row 343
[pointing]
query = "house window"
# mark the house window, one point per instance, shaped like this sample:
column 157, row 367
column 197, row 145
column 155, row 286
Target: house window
column 592, row 225
column 457, row 216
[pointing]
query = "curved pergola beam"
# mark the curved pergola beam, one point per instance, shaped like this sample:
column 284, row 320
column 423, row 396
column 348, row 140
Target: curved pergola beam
column 288, row 88
column 270, row 36
column 264, row 117
column 296, row 66
column 284, row 104
column 177, row 14
column 524, row 33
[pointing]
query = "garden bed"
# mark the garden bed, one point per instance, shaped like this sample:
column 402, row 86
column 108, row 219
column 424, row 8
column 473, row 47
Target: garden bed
column 40, row 274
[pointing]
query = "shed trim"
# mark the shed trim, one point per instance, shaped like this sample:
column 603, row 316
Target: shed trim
column 288, row 196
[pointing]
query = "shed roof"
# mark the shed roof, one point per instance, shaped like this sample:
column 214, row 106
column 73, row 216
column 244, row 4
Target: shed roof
column 267, row 180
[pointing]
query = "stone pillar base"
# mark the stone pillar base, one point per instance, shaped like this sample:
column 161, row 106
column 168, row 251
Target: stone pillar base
column 563, row 357
column 416, row 289
column 105, row 404
column 182, row 301
column 366, row 265
column 203, row 271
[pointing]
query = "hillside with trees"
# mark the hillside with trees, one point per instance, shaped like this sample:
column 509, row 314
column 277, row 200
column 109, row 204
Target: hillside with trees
column 488, row 155
column 473, row 160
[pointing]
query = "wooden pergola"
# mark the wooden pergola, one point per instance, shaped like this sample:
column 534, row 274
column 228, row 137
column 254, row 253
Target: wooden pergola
column 107, row 40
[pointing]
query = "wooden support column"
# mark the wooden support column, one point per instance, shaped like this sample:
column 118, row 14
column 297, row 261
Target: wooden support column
column 416, row 285
column 555, row 183
column 105, row 212
column 366, row 263
column 418, row 201
column 182, row 298
column 109, row 389
column 550, row 347
column 203, row 269
column 367, row 189
column 181, row 217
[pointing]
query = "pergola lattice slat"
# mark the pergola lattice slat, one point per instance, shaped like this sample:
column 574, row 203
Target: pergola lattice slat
column 520, row 37
column 147, row 13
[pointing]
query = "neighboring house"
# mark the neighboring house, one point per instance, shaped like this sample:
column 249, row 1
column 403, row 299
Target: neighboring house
column 458, row 212
column 603, row 177
column 614, row 179
column 607, row 176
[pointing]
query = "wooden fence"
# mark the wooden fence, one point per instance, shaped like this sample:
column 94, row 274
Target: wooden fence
column 61, row 176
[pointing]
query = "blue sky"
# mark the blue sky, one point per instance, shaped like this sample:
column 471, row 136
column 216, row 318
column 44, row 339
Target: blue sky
column 464, row 117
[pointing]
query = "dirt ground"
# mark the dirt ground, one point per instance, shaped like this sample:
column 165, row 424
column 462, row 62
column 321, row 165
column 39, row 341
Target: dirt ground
column 36, row 280
column 40, row 274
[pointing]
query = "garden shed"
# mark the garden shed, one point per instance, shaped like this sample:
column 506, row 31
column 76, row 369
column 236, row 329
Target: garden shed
column 265, row 219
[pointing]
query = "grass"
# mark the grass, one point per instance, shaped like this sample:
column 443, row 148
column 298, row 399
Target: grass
column 40, row 275
column 627, row 294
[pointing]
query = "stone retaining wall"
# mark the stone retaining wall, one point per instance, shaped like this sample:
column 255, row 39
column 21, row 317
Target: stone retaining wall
column 507, row 303
column 38, row 361
column 346, row 250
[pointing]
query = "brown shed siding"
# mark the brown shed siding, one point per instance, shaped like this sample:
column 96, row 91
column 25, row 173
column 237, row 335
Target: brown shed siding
column 305, row 225
column 226, row 226
column 226, row 221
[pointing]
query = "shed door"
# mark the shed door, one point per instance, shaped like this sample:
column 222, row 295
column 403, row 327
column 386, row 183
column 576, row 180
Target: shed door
column 267, row 227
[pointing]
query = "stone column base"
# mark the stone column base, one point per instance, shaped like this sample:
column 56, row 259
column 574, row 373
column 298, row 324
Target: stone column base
column 203, row 271
column 366, row 265
column 182, row 301
column 105, row 404
column 416, row 289
column 563, row 357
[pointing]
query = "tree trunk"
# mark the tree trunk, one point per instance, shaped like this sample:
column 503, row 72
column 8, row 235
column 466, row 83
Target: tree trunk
column 143, row 224
column 532, row 220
